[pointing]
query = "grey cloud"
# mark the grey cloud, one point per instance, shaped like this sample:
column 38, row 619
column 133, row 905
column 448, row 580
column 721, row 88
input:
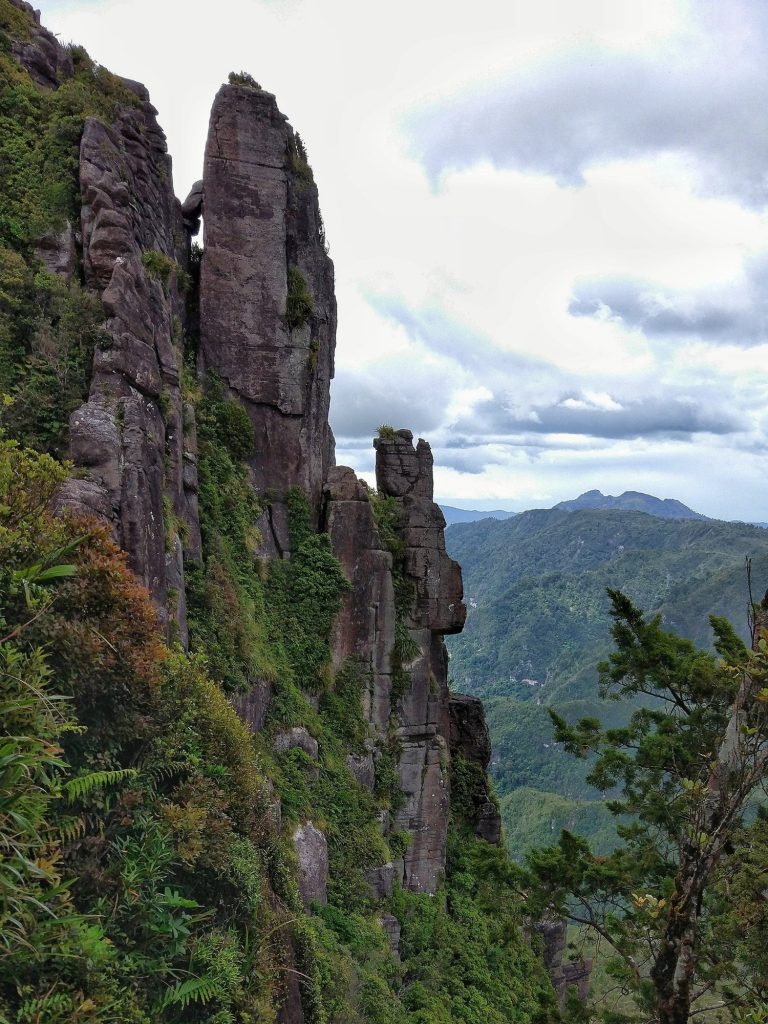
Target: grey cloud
column 403, row 396
column 666, row 416
column 705, row 99
column 736, row 314
column 472, row 459
column 536, row 408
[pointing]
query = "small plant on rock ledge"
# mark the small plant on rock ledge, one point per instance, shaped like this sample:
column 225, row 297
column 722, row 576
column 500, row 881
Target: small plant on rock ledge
column 243, row 78
column 298, row 305
column 159, row 266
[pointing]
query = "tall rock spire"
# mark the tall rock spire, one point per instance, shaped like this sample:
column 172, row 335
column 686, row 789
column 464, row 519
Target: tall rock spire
column 267, row 305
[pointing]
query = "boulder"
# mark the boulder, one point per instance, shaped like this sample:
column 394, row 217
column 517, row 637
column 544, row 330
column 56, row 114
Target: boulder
column 297, row 738
column 312, row 853
column 391, row 926
column 381, row 880
column 469, row 733
column 362, row 769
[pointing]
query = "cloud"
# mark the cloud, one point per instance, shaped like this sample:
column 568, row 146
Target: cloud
column 415, row 397
column 735, row 314
column 702, row 98
column 669, row 415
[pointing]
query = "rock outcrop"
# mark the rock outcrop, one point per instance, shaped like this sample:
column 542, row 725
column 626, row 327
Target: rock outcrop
column 365, row 629
column 129, row 437
column 267, row 304
column 404, row 473
column 267, row 322
column 564, row 974
column 312, row 855
column 39, row 51
column 470, row 739
column 260, row 317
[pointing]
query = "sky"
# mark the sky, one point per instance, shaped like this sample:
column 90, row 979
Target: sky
column 548, row 220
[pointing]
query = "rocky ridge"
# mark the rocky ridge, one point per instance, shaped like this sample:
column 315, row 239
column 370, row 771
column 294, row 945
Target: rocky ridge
column 267, row 322
column 255, row 312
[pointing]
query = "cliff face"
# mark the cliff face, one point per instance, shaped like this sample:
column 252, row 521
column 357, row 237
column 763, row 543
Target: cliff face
column 267, row 331
column 267, row 305
column 204, row 444
column 435, row 608
column 129, row 436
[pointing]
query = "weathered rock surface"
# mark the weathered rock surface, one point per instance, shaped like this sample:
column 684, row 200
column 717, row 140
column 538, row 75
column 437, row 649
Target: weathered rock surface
column 562, row 974
column 129, row 435
column 381, row 880
column 297, row 738
column 405, row 474
column 312, row 853
column 263, row 230
column 391, row 926
column 404, row 469
column 41, row 54
column 192, row 208
column 362, row 768
column 469, row 734
column 252, row 706
column 58, row 253
column 365, row 629
column 469, row 738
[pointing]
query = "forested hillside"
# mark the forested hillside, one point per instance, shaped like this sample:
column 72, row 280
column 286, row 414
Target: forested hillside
column 538, row 624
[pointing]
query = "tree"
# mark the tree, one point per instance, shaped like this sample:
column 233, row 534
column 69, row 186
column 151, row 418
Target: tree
column 685, row 768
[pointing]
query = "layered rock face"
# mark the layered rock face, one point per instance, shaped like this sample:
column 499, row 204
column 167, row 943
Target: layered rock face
column 129, row 247
column 267, row 322
column 404, row 473
column 267, row 305
column 40, row 54
column 563, row 974
column 365, row 629
column 469, row 738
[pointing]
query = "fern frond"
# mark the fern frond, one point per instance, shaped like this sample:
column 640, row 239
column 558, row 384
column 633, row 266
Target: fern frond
column 81, row 785
column 71, row 829
column 193, row 990
column 51, row 1006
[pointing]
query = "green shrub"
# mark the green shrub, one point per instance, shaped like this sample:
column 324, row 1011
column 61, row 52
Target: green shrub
column 243, row 78
column 299, row 305
column 159, row 266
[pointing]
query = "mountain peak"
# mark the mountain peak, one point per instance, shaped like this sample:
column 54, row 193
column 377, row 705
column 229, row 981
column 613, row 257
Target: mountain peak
column 631, row 501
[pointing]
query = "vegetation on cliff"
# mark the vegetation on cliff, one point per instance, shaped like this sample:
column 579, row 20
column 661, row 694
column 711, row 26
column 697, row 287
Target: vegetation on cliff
column 147, row 864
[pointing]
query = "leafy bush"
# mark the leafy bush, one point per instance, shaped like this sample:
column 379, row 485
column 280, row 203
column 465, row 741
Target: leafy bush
column 243, row 78
column 299, row 305
column 159, row 266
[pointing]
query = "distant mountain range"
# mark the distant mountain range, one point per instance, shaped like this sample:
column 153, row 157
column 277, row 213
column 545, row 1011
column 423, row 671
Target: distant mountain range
column 467, row 515
column 631, row 501
column 538, row 624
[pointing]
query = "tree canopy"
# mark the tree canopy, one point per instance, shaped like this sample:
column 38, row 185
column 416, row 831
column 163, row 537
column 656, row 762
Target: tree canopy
column 680, row 902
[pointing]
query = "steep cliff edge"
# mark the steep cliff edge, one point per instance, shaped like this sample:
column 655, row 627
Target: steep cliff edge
column 267, row 304
column 306, row 862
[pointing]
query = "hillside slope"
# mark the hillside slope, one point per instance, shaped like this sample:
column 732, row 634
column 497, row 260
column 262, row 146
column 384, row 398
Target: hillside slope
column 538, row 625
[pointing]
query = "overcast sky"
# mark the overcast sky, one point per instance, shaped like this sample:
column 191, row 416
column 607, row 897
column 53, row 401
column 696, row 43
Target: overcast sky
column 548, row 219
